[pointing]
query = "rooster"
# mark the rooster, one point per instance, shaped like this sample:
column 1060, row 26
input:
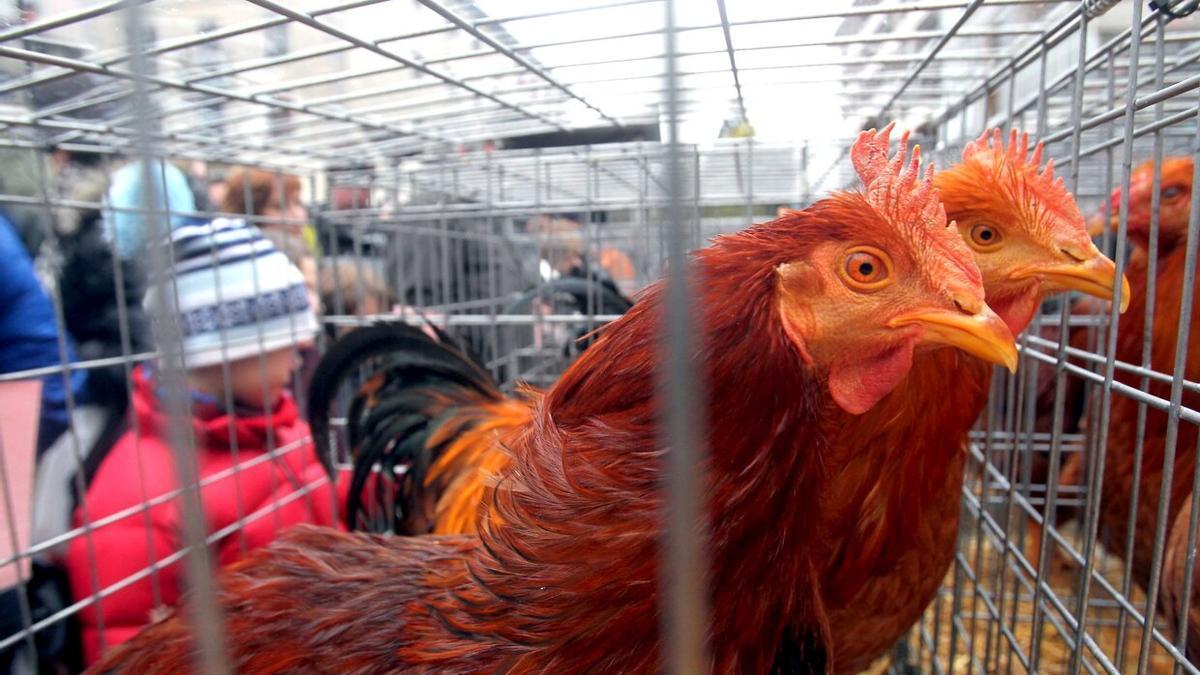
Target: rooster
column 804, row 319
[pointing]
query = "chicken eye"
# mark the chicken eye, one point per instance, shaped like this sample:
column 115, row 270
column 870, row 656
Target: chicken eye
column 866, row 268
column 984, row 235
column 1172, row 192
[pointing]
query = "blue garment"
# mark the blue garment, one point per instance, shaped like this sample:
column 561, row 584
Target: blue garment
column 128, row 230
column 29, row 334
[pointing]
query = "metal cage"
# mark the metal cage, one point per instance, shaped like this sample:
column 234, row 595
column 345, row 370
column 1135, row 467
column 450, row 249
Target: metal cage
column 438, row 143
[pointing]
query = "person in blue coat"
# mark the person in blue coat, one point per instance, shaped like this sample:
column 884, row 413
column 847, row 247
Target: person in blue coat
column 29, row 335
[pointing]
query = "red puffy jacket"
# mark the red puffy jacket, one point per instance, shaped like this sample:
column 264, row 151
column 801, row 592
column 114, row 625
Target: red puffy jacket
column 246, row 504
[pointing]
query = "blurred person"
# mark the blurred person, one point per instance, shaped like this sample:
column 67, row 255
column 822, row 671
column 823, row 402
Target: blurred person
column 240, row 353
column 562, row 248
column 169, row 191
column 29, row 339
column 24, row 175
column 273, row 197
column 300, row 255
column 207, row 182
column 30, row 336
column 331, row 222
column 349, row 197
column 560, row 245
column 351, row 287
column 100, row 295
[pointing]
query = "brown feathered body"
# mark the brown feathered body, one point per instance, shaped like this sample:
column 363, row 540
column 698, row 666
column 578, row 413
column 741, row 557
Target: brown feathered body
column 1122, row 451
column 1174, row 575
column 895, row 491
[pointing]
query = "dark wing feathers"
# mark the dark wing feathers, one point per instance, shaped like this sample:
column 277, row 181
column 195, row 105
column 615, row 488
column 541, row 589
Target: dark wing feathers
column 402, row 381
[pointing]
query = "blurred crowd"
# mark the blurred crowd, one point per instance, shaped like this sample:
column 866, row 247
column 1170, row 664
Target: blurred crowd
column 102, row 259
column 82, row 237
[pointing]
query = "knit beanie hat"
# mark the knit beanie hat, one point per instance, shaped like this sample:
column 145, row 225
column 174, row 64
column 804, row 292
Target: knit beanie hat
column 233, row 293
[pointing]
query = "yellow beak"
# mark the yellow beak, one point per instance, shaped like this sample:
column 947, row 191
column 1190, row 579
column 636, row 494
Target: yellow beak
column 982, row 334
column 1096, row 276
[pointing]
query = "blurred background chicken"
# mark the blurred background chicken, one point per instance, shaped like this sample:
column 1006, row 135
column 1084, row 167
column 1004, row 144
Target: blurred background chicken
column 805, row 316
column 1133, row 472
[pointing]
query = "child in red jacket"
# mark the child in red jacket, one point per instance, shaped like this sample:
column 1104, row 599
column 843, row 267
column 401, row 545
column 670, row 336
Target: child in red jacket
column 243, row 311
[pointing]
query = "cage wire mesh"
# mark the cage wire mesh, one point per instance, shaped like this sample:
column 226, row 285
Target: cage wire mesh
column 467, row 162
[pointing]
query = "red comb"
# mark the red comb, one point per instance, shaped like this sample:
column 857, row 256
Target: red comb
column 894, row 186
column 1050, row 189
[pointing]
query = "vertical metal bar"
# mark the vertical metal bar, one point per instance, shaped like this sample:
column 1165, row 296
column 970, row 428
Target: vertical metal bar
column 962, row 127
column 1060, row 375
column 1172, row 436
column 72, row 432
column 1096, row 467
column 227, row 398
column 693, row 232
column 685, row 615
column 202, row 612
column 802, row 186
column 452, row 259
column 135, row 424
column 749, row 181
column 359, row 290
column 422, row 296
column 643, row 211
column 443, row 240
column 989, row 453
column 1012, row 400
column 322, row 339
column 398, row 247
column 294, row 347
column 591, row 243
column 493, row 254
column 1022, row 448
column 1042, row 107
column 1097, row 341
column 737, row 80
column 1185, row 594
column 539, row 189
column 1010, row 114
column 1151, row 291
column 264, row 386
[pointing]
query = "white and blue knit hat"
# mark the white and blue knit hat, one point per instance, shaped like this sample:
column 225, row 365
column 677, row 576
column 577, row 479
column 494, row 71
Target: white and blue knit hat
column 237, row 295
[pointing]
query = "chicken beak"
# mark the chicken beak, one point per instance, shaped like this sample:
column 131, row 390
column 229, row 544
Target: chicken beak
column 982, row 334
column 1096, row 276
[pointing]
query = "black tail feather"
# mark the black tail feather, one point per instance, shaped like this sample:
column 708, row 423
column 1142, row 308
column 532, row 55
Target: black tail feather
column 401, row 380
